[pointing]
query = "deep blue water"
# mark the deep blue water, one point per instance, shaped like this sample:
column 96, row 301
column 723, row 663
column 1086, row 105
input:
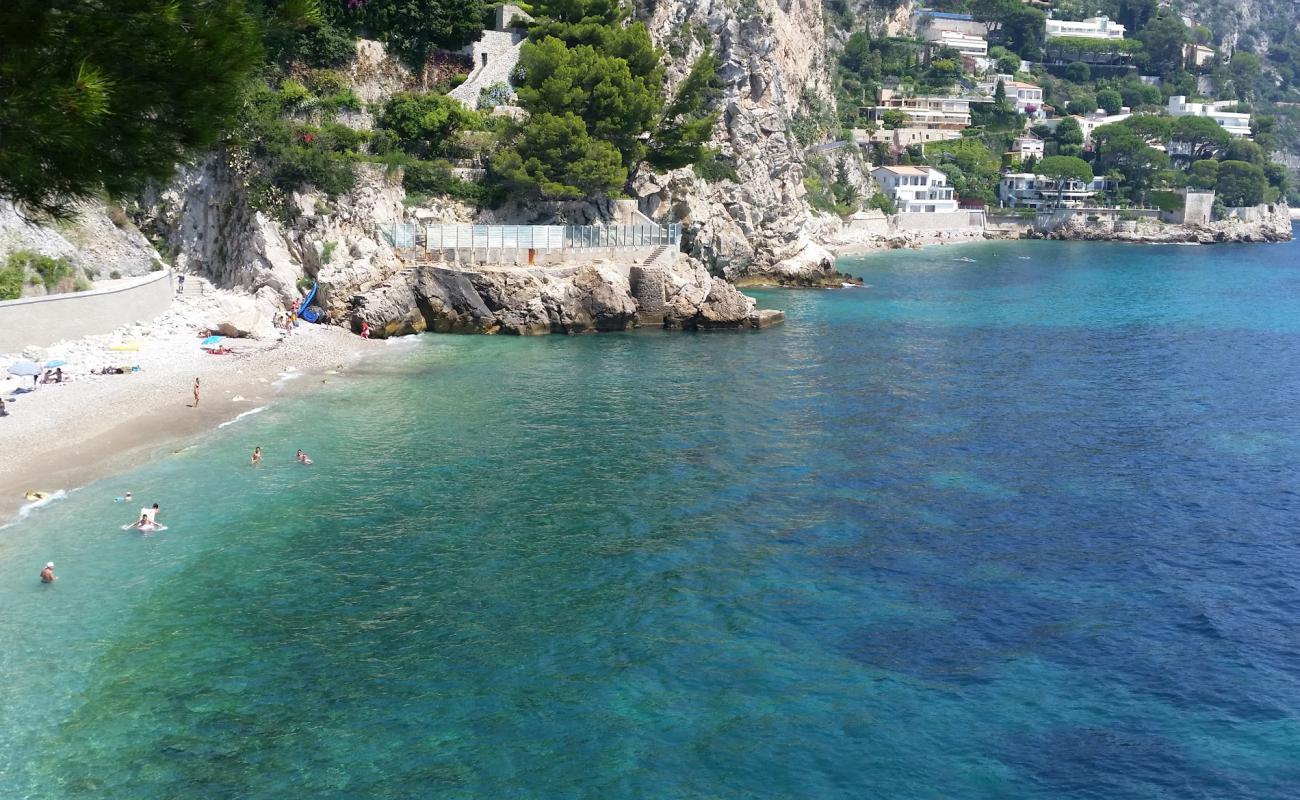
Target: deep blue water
column 1017, row 528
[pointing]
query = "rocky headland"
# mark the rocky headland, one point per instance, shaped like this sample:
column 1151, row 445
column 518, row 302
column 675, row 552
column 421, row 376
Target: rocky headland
column 1261, row 224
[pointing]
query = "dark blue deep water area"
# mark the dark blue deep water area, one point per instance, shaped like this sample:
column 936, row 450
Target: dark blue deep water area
column 1024, row 526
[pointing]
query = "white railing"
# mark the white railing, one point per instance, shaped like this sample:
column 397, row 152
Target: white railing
column 410, row 236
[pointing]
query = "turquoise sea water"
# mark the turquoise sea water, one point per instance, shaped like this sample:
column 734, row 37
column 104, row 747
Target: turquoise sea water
column 1018, row 528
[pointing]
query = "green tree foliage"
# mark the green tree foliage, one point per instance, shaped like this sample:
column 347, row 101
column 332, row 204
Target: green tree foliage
column 1119, row 149
column 1152, row 129
column 1068, row 132
column 892, row 119
column 555, row 158
column 425, row 125
column 1244, row 150
column 1203, row 174
column 617, row 98
column 688, row 121
column 1240, row 184
column 1204, row 136
column 1078, row 72
column 110, row 95
column 1062, row 169
column 1007, row 61
column 1013, row 24
column 1109, row 100
column 1067, row 168
column 1082, row 101
column 972, row 166
column 415, row 28
column 1162, row 40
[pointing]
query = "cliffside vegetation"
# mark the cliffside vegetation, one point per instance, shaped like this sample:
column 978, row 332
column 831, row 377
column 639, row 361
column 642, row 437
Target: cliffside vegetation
column 108, row 97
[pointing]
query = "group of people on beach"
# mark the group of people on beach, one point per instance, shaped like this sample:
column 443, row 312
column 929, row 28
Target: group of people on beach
column 301, row 457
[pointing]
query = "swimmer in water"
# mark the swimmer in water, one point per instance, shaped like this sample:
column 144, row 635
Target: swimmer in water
column 302, row 458
column 47, row 574
column 257, row 456
column 144, row 523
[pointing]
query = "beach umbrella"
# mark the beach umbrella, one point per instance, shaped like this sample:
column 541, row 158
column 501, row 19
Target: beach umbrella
column 210, row 341
column 25, row 368
column 53, row 364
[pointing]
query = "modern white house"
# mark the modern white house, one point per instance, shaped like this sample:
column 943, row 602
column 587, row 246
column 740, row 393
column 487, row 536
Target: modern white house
column 1027, row 190
column 1091, row 28
column 964, row 43
column 1236, row 123
column 916, row 189
column 1028, row 97
column 1091, row 122
column 1026, row 146
column 935, row 113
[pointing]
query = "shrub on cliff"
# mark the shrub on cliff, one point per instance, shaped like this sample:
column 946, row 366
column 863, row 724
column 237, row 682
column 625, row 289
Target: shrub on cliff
column 554, row 157
column 425, row 125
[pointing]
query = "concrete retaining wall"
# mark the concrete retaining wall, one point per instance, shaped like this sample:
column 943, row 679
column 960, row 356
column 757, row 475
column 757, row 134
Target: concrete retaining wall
column 946, row 221
column 42, row 321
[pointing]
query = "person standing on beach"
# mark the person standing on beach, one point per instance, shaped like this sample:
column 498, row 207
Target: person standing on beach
column 180, row 283
column 365, row 329
column 257, row 456
column 47, row 574
column 196, row 393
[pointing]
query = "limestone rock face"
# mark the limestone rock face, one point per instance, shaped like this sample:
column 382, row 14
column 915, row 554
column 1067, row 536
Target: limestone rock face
column 771, row 54
column 587, row 298
column 99, row 241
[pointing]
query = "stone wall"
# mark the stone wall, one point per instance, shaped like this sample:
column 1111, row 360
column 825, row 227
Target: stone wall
column 944, row 221
column 42, row 321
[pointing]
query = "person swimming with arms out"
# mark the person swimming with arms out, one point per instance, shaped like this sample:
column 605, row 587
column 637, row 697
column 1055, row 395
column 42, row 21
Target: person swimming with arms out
column 302, row 458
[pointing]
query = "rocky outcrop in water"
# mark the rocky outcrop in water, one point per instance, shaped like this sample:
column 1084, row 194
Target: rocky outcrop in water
column 587, row 298
column 1261, row 224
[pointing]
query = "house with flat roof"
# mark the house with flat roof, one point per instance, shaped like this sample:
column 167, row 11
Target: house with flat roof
column 914, row 190
column 933, row 113
column 1236, row 123
column 1091, row 28
column 964, row 43
column 1025, row 146
column 1028, row 190
column 926, row 19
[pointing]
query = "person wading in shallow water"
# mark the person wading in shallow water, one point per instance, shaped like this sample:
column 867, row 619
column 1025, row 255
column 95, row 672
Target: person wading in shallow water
column 196, row 392
column 257, row 456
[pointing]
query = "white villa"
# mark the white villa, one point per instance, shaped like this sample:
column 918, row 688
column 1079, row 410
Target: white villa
column 964, row 43
column 1027, row 190
column 1028, row 97
column 1091, row 122
column 916, row 189
column 934, row 113
column 1091, row 28
column 1026, row 146
column 1236, row 123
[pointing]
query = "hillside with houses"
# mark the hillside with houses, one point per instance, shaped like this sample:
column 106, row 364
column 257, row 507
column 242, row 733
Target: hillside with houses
column 1117, row 108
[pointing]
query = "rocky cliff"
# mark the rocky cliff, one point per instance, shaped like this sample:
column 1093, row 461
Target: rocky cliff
column 771, row 54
